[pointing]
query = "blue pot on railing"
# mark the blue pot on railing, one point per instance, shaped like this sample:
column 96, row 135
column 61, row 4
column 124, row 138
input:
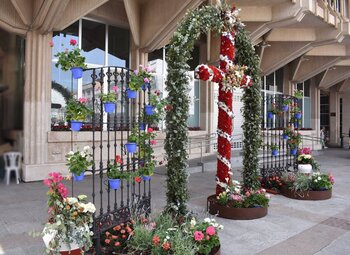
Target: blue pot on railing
column 145, row 86
column 142, row 126
column 274, row 152
column 146, row 177
column 297, row 115
column 131, row 147
column 131, row 93
column 78, row 178
column 285, row 137
column 294, row 151
column 149, row 109
column 77, row 72
column 109, row 107
column 269, row 115
column 296, row 124
column 75, row 125
column 114, row 183
column 285, row 108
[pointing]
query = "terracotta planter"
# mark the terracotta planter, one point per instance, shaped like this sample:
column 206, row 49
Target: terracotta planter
column 272, row 191
column 214, row 251
column 234, row 213
column 72, row 252
column 307, row 195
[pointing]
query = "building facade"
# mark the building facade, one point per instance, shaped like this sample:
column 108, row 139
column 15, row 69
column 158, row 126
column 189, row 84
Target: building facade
column 302, row 44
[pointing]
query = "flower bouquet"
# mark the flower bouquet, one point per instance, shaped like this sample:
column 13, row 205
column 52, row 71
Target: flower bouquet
column 71, row 60
column 70, row 220
column 78, row 162
column 77, row 112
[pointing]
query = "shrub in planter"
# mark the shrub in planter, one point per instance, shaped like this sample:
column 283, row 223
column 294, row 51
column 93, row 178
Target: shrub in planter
column 116, row 239
column 316, row 181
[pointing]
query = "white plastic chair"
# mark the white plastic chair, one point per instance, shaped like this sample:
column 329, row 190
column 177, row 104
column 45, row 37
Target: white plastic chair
column 13, row 162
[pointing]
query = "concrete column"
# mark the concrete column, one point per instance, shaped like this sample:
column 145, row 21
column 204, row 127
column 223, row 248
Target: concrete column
column 334, row 116
column 37, row 104
column 204, row 92
column 315, row 107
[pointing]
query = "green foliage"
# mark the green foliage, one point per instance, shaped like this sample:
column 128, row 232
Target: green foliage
column 300, row 182
column 321, row 181
column 70, row 58
column 77, row 110
column 79, row 161
column 159, row 103
column 114, row 171
column 273, row 146
column 245, row 55
column 147, row 169
column 141, row 239
column 179, row 53
column 294, row 139
column 139, row 77
column 109, row 97
column 298, row 94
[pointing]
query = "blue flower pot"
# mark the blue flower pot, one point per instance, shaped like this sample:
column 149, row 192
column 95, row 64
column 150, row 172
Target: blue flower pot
column 149, row 109
column 146, row 177
column 145, row 86
column 114, row 183
column 285, row 137
column 269, row 115
column 109, row 107
column 285, row 108
column 142, row 126
column 131, row 93
column 294, row 151
column 77, row 72
column 131, row 147
column 78, row 178
column 75, row 125
column 298, row 115
column 274, row 152
column 296, row 124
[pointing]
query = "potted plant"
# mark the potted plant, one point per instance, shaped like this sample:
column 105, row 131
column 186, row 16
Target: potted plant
column 293, row 142
column 139, row 79
column 305, row 162
column 131, row 145
column 146, row 171
column 71, row 60
column 108, row 99
column 273, row 111
column 155, row 110
column 76, row 112
column 70, row 219
column 285, row 104
column 272, row 183
column 274, row 149
column 78, row 162
column 286, row 133
column 115, row 174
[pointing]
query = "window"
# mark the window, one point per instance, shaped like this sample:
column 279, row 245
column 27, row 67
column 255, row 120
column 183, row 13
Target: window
column 305, row 104
column 93, row 38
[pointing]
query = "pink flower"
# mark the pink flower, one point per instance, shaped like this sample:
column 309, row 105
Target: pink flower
column 198, row 235
column 331, row 178
column 236, row 197
column 47, row 182
column 51, row 43
column 83, row 100
column 152, row 225
column 153, row 142
column 150, row 130
column 115, row 88
column 55, row 177
column 72, row 42
column 146, row 80
column 210, row 231
column 107, row 241
column 136, row 72
column 247, row 193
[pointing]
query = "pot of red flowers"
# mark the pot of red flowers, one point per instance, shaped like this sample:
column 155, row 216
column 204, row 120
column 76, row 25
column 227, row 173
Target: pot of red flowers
column 115, row 174
column 108, row 99
column 76, row 112
column 71, row 60
column 70, row 219
column 139, row 79
column 78, row 162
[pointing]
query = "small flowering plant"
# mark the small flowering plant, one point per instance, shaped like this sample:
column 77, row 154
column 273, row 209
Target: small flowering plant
column 236, row 196
column 160, row 106
column 70, row 218
column 273, row 182
column 111, row 96
column 114, row 170
column 70, row 58
column 316, row 181
column 294, row 139
column 205, row 234
column 305, row 159
column 116, row 239
column 140, row 77
column 79, row 161
column 77, row 109
column 321, row 181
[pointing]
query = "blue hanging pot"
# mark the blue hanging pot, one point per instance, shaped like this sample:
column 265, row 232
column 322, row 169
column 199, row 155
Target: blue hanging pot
column 114, row 183
column 296, row 124
column 149, row 109
column 297, row 115
column 142, row 126
column 78, row 178
column 146, row 177
column 109, row 107
column 131, row 147
column 145, row 86
column 285, row 137
column 131, row 93
column 75, row 125
column 274, row 152
column 269, row 115
column 77, row 72
column 285, row 108
column 294, row 151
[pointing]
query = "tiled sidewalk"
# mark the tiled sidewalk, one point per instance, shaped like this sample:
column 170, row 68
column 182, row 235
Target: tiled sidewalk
column 292, row 227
